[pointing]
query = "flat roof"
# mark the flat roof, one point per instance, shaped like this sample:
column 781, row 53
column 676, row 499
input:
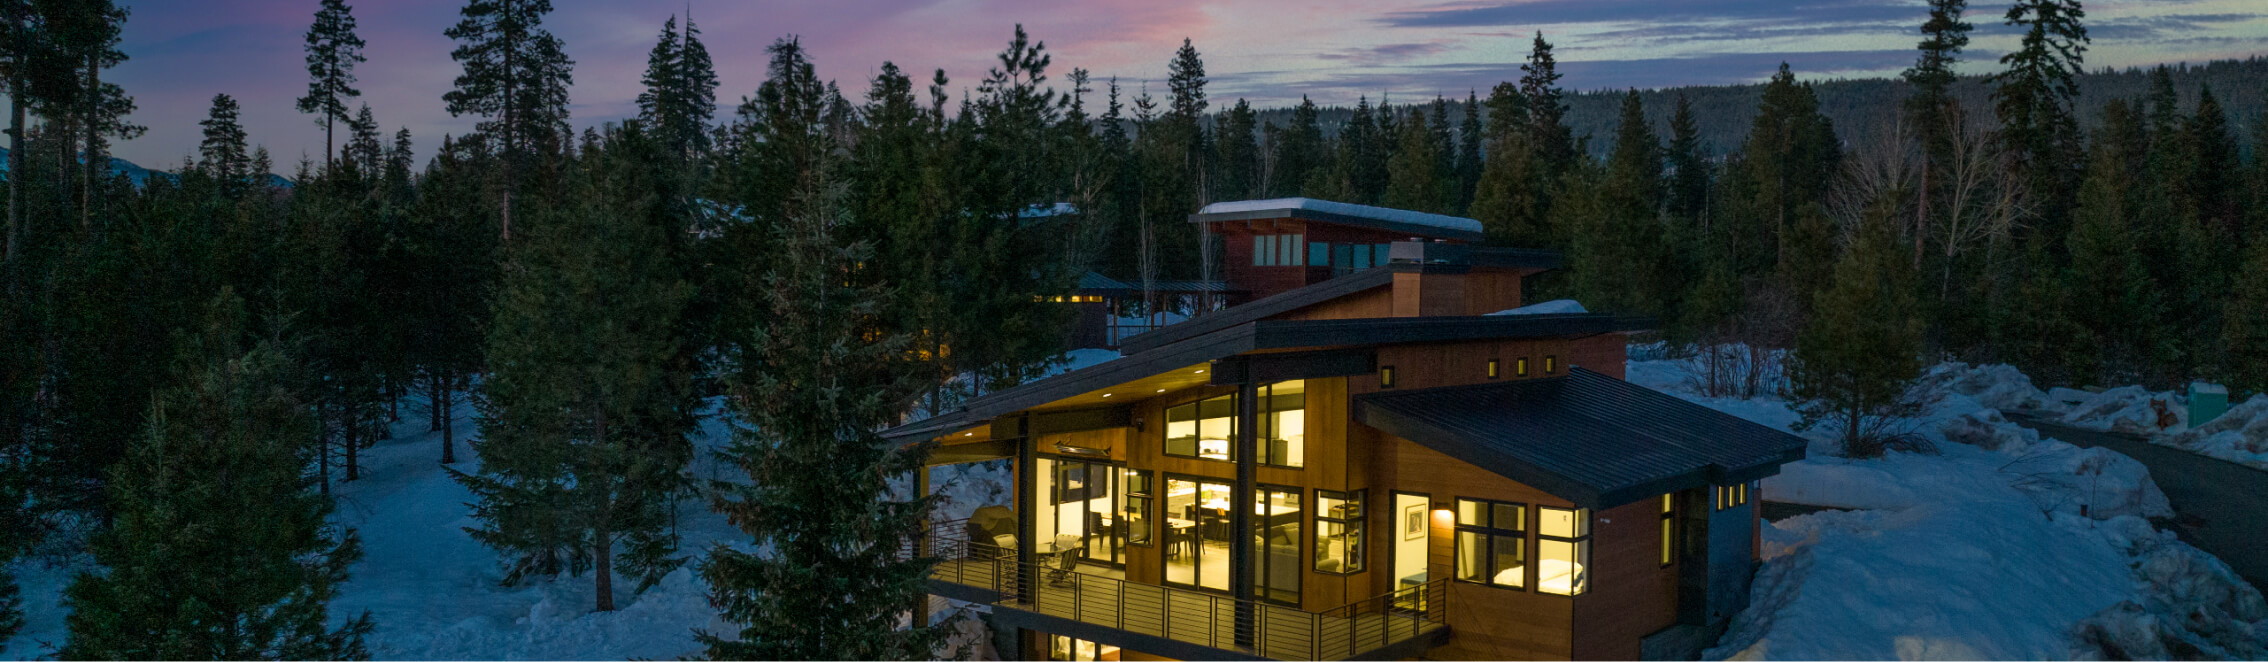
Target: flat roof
column 1381, row 218
column 1592, row 439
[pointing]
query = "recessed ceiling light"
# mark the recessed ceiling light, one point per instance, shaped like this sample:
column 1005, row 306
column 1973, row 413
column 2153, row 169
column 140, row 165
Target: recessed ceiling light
column 1106, row 395
column 1161, row 390
column 968, row 434
column 1200, row 371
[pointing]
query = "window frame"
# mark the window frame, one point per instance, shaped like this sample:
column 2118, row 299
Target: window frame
column 1385, row 376
column 1149, row 499
column 1551, row 364
column 1267, row 432
column 1495, row 368
column 1488, row 535
column 1669, row 529
column 1355, row 527
column 1165, row 445
column 1580, row 545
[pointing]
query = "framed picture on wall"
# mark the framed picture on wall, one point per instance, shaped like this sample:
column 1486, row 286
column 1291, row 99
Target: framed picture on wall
column 1413, row 521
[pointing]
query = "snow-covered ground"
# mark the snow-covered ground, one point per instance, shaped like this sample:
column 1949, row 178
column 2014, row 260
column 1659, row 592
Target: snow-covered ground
column 2002, row 546
column 2239, row 435
column 435, row 593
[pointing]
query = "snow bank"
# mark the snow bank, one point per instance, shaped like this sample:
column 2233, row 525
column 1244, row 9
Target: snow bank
column 1988, row 580
column 2004, row 545
column 2194, row 607
column 1553, row 307
column 2239, row 435
column 2129, row 409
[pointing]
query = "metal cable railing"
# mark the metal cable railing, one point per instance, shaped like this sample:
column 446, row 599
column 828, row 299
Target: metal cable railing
column 1196, row 617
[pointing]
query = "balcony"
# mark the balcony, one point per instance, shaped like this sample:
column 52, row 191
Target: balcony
column 1181, row 622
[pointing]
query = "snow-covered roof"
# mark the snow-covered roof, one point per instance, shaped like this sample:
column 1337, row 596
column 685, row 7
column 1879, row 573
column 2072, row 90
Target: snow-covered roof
column 1552, row 307
column 1342, row 210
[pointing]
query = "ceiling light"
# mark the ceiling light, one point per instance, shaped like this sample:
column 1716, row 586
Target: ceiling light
column 1161, row 390
column 1106, row 395
column 1200, row 371
column 968, row 434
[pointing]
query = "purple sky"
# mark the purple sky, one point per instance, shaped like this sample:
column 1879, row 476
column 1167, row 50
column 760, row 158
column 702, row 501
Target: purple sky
column 1270, row 51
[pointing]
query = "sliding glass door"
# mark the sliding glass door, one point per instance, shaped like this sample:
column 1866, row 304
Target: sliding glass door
column 1080, row 503
column 1197, row 533
column 1275, row 544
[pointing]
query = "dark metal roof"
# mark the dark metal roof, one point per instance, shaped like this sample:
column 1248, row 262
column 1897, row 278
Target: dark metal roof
column 1258, row 335
column 1586, row 437
column 1414, row 223
column 1095, row 283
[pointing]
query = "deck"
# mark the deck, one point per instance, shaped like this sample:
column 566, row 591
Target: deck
column 1220, row 623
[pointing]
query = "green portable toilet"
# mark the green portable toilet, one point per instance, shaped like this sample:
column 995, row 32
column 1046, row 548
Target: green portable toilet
column 2206, row 402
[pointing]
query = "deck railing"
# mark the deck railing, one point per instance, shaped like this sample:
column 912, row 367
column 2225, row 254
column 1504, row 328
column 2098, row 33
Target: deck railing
column 1201, row 618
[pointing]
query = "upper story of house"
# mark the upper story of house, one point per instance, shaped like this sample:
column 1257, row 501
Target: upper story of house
column 1277, row 245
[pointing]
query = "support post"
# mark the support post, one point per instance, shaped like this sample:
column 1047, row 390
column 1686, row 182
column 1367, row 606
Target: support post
column 922, row 542
column 1241, row 577
column 1027, row 506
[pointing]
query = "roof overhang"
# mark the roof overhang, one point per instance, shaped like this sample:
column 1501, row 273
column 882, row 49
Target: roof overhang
column 1597, row 441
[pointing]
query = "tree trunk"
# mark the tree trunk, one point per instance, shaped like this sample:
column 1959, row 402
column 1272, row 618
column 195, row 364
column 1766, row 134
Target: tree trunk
column 94, row 141
column 327, row 140
column 433, row 386
column 323, row 448
column 448, row 428
column 15, row 134
column 352, row 424
column 602, row 540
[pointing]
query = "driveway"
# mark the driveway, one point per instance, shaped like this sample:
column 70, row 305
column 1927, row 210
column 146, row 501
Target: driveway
column 2221, row 507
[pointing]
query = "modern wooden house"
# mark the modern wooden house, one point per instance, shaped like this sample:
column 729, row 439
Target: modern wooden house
column 1368, row 461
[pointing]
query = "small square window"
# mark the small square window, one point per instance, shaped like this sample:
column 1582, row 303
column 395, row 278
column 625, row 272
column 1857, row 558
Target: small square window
column 1494, row 369
column 1520, row 367
column 1386, row 377
column 1550, row 364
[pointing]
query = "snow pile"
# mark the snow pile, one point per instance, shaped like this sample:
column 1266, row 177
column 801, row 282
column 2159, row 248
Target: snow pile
column 2129, row 409
column 1988, row 580
column 1996, row 547
column 1998, row 386
column 2194, row 607
column 2239, row 435
column 1553, row 307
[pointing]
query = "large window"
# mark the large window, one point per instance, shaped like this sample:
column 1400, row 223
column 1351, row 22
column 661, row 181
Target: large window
column 1283, row 424
column 1563, row 550
column 1275, row 548
column 1202, row 429
column 1492, row 543
column 1279, row 250
column 1339, row 532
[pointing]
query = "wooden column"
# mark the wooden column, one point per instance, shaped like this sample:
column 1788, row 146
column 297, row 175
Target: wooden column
column 1027, row 508
column 922, row 547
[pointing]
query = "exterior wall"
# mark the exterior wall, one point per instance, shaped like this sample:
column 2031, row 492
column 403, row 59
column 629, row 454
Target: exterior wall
column 1237, row 243
column 1485, row 622
column 1632, row 594
column 1732, row 559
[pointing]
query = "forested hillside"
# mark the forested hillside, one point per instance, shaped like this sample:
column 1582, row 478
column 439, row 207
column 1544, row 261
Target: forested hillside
column 193, row 363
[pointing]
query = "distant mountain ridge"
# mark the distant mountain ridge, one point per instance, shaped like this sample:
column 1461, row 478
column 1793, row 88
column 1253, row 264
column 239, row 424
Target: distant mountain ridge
column 1861, row 108
column 140, row 175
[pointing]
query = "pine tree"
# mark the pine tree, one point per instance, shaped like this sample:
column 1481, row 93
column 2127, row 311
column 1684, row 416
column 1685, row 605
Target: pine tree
column 1468, row 166
column 1687, row 197
column 1301, row 151
column 2110, row 248
column 82, row 110
column 814, row 383
column 1854, row 363
column 1508, row 201
column 222, row 154
column 515, row 76
column 452, row 247
column 364, row 153
column 1239, row 158
column 1932, row 108
column 333, row 50
column 1361, row 174
column 1546, row 109
column 1790, row 159
column 1620, row 260
column 2244, row 327
column 681, row 89
column 219, row 550
column 585, row 412
column 23, row 44
column 1413, row 180
column 2032, row 97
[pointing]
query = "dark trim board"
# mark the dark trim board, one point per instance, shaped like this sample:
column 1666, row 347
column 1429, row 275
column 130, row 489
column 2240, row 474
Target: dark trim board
column 983, row 451
column 1276, row 367
column 963, row 592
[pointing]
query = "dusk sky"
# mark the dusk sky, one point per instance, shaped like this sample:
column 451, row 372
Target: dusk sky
column 1268, row 51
